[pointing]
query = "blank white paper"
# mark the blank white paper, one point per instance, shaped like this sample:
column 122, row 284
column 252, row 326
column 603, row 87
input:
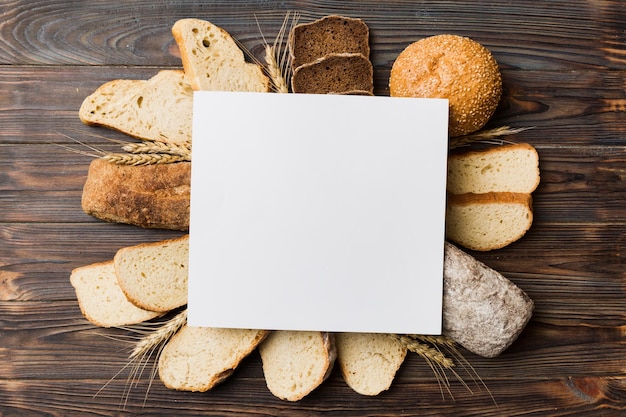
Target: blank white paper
column 317, row 212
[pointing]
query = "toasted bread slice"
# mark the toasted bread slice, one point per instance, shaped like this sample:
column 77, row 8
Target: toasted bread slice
column 199, row 358
column 158, row 109
column 101, row 299
column 369, row 361
column 213, row 61
column 153, row 276
column 296, row 362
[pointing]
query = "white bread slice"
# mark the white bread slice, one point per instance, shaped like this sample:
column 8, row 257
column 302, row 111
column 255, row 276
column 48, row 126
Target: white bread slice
column 198, row 358
column 213, row 61
column 507, row 168
column 101, row 299
column 369, row 361
column 296, row 362
column 153, row 276
column 488, row 221
column 158, row 109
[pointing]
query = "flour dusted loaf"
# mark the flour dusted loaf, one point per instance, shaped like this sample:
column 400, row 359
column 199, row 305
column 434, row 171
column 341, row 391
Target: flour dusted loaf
column 483, row 311
column 369, row 361
column 101, row 299
column 507, row 168
column 329, row 35
column 153, row 276
column 296, row 362
column 488, row 221
column 212, row 60
column 453, row 67
column 151, row 196
column 334, row 73
column 199, row 358
column 158, row 109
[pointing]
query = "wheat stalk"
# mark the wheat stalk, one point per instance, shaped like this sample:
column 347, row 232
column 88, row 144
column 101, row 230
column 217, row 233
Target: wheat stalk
column 488, row 136
column 151, row 147
column 160, row 335
column 143, row 158
column 277, row 58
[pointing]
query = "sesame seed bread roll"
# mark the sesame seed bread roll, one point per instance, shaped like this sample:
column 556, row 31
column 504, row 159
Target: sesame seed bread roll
column 452, row 67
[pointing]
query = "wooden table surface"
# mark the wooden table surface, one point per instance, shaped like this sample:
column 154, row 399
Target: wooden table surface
column 564, row 71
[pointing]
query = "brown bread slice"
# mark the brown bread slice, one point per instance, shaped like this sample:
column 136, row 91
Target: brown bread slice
column 213, row 61
column 153, row 276
column 507, row 168
column 199, row 358
column 296, row 362
column 158, row 109
column 151, row 196
column 328, row 35
column 369, row 361
column 488, row 221
column 334, row 73
column 101, row 299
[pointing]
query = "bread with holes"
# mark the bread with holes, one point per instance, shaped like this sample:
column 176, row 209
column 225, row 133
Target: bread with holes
column 154, row 275
column 369, row 361
column 296, row 362
column 508, row 168
column 101, row 300
column 158, row 109
column 329, row 35
column 199, row 358
column 488, row 221
column 213, row 61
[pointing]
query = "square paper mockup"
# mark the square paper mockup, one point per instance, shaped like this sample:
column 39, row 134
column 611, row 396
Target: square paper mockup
column 317, row 212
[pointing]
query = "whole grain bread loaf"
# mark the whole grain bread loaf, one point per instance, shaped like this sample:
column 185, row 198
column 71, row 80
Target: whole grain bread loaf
column 151, row 196
column 329, row 35
column 334, row 73
column 158, row 109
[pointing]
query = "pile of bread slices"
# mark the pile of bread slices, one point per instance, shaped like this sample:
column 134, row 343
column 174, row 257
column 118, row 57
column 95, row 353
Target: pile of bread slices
column 329, row 55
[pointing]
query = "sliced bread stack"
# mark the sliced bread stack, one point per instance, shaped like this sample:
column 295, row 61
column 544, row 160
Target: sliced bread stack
column 331, row 56
column 489, row 195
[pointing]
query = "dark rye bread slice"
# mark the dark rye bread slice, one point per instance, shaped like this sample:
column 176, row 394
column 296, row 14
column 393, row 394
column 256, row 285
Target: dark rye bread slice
column 334, row 73
column 328, row 35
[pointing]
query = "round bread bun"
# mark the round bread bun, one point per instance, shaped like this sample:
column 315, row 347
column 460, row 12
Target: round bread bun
column 453, row 67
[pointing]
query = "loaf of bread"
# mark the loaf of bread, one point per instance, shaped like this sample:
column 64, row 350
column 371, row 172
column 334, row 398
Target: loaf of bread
column 508, row 168
column 334, row 73
column 158, row 109
column 295, row 363
column 488, row 221
column 213, row 61
column 101, row 299
column 329, row 35
column 369, row 361
column 153, row 276
column 453, row 67
column 151, row 196
column 482, row 310
column 199, row 358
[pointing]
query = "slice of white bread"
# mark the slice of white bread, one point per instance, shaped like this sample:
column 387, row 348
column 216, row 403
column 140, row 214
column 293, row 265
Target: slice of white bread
column 296, row 362
column 213, row 61
column 507, row 168
column 488, row 221
column 198, row 358
column 369, row 361
column 101, row 299
column 153, row 276
column 158, row 109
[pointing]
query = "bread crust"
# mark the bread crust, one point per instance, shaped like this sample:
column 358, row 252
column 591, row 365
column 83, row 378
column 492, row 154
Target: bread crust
column 150, row 196
column 453, row 67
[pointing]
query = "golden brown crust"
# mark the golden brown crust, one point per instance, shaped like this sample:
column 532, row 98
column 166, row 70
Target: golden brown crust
column 452, row 67
column 151, row 196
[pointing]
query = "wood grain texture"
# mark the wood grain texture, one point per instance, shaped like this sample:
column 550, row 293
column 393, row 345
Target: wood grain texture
column 564, row 69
